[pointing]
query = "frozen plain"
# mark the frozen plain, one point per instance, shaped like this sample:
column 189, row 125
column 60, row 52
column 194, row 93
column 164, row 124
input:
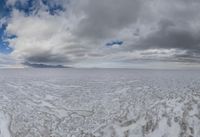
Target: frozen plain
column 99, row 103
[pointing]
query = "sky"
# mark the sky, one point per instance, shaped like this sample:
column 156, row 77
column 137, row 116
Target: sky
column 100, row 33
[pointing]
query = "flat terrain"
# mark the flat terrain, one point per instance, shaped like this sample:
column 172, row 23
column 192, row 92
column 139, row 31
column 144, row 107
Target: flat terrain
column 99, row 103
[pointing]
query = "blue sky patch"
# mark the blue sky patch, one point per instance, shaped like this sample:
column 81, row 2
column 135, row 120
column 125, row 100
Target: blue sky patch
column 29, row 8
column 4, row 10
column 53, row 9
column 4, row 46
column 115, row 42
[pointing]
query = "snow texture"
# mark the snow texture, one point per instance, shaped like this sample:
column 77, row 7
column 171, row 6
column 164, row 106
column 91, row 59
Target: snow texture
column 99, row 103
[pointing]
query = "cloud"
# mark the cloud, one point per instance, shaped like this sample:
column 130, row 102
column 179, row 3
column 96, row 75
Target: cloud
column 102, row 19
column 42, row 38
column 71, row 32
column 170, row 36
column 7, row 61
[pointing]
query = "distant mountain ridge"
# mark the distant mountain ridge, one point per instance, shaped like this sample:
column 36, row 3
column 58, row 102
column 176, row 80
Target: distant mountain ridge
column 40, row 65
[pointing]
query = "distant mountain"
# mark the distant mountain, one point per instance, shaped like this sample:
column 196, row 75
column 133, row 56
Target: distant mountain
column 40, row 65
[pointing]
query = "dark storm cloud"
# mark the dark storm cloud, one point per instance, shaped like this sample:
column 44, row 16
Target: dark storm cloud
column 103, row 18
column 49, row 57
column 46, row 57
column 174, row 27
column 170, row 36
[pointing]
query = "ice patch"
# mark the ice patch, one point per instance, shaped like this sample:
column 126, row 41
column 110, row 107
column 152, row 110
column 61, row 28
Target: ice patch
column 4, row 124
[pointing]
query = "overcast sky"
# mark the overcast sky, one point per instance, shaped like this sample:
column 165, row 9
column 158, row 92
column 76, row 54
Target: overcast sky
column 100, row 33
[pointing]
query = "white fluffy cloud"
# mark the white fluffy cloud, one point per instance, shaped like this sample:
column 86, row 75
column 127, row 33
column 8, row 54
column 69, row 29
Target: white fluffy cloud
column 41, row 38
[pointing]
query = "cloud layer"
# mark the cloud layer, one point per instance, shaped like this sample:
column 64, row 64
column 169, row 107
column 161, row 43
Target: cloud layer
column 76, row 32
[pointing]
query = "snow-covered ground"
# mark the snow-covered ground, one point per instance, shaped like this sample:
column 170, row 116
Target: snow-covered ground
column 99, row 103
